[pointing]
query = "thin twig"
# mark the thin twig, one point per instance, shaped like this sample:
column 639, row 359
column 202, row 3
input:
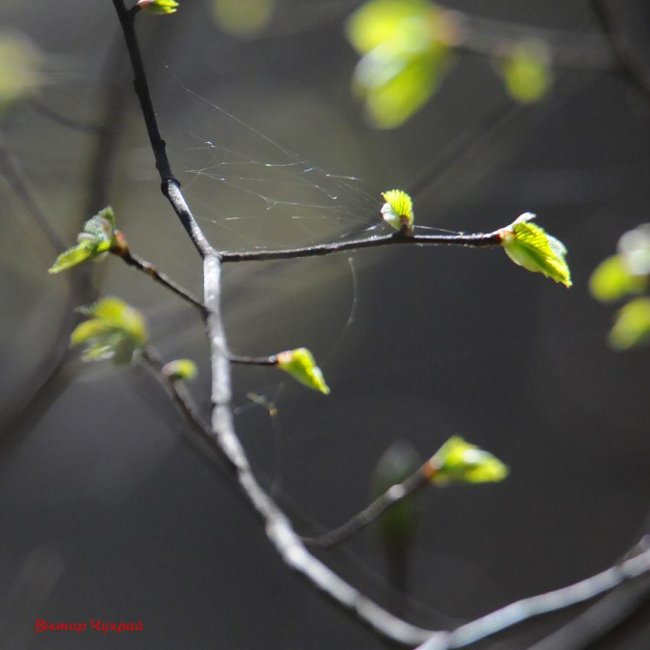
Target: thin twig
column 568, row 50
column 149, row 269
column 254, row 361
column 169, row 185
column 64, row 120
column 461, row 239
column 10, row 169
column 395, row 494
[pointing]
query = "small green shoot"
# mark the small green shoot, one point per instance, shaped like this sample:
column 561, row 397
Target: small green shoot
column 398, row 210
column 301, row 365
column 99, row 237
column 458, row 461
column 114, row 330
column 160, row 7
column 530, row 246
column 180, row 370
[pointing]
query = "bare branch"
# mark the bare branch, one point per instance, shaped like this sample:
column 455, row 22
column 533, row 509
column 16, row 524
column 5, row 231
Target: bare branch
column 629, row 62
column 551, row 601
column 568, row 50
column 460, row 239
column 222, row 433
column 394, row 494
column 150, row 270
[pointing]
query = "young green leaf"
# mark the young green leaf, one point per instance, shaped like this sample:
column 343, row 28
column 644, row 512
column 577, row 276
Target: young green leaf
column 530, row 246
column 114, row 330
column 98, row 237
column 160, row 7
column 301, row 365
column 405, row 47
column 526, row 71
column 180, row 370
column 632, row 326
column 398, row 210
column 458, row 461
column 612, row 280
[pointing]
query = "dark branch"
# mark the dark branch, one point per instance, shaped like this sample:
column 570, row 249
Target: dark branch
column 169, row 185
column 149, row 269
column 629, row 64
column 460, row 239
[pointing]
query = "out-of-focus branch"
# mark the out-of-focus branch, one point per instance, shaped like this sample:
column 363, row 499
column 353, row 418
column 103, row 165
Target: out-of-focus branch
column 599, row 619
column 10, row 169
column 568, row 50
column 551, row 601
column 622, row 49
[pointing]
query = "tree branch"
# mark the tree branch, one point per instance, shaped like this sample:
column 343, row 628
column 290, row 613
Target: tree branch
column 150, row 270
column 460, row 239
column 222, row 433
column 551, row 601
column 396, row 493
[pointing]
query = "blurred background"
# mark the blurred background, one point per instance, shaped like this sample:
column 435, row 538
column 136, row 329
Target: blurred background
column 284, row 128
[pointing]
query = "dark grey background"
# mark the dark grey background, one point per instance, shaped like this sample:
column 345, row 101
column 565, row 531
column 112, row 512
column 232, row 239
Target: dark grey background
column 106, row 513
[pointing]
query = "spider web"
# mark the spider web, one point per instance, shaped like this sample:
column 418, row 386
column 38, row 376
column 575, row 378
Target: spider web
column 259, row 194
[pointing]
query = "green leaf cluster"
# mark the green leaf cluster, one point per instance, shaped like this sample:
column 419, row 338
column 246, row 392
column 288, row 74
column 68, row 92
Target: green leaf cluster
column 301, row 365
column 458, row 461
column 114, row 330
column 98, row 237
column 404, row 47
column 623, row 275
column 526, row 71
column 398, row 210
column 530, row 246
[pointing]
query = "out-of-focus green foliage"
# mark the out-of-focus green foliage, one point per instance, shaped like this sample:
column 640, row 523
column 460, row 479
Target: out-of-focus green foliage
column 632, row 326
column 161, row 7
column 404, row 47
column 612, row 280
column 458, row 461
column 114, row 330
column 20, row 63
column 532, row 247
column 98, row 237
column 180, row 370
column 623, row 274
column 398, row 210
column 301, row 365
column 243, row 17
column 526, row 71
column 398, row 524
